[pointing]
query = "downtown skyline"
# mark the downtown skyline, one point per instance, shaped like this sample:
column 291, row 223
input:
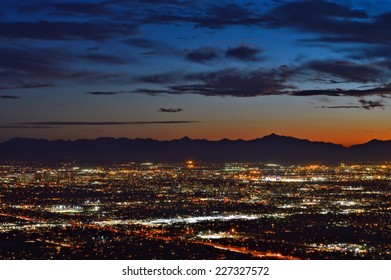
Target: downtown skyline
column 318, row 70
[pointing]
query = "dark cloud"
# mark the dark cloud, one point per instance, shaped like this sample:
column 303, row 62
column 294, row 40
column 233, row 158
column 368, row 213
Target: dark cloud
column 151, row 92
column 219, row 16
column 104, row 92
column 66, row 30
column 155, row 12
column 316, row 92
column 364, row 104
column 26, row 127
column 161, row 78
column 104, row 58
column 206, row 54
column 169, row 2
column 142, row 43
column 111, row 21
column 103, row 123
column 70, row 8
column 34, row 62
column 369, row 104
column 154, row 47
column 328, row 20
column 318, row 16
column 89, row 76
column 382, row 91
column 91, row 9
column 332, row 22
column 151, row 53
column 299, row 13
column 203, row 55
column 9, row 97
column 370, row 52
column 170, row 110
column 24, row 67
column 349, row 71
column 27, row 86
column 323, row 17
column 245, row 53
column 340, row 107
column 230, row 82
column 212, row 16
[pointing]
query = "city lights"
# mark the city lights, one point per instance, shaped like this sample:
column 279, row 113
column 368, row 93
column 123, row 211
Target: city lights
column 193, row 210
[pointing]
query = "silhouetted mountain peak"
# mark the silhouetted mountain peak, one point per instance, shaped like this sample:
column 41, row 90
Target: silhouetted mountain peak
column 270, row 148
column 276, row 138
column 273, row 135
column 22, row 140
column 372, row 143
column 375, row 141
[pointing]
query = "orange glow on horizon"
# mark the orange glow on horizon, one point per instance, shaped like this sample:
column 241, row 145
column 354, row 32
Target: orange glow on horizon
column 214, row 131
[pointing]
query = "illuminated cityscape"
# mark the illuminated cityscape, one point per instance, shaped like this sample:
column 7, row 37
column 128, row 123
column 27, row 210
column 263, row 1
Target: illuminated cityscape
column 194, row 210
column 195, row 130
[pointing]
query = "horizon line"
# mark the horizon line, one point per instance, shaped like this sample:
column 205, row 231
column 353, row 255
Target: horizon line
column 193, row 139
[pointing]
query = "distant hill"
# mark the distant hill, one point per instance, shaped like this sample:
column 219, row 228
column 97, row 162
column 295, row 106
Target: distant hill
column 271, row 148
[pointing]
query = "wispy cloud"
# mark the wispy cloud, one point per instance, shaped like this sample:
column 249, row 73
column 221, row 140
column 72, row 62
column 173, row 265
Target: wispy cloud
column 228, row 82
column 364, row 104
column 349, row 71
column 26, row 68
column 69, row 9
column 170, row 110
column 104, row 59
column 9, row 97
column 244, row 53
column 103, row 26
column 382, row 91
column 207, row 54
column 369, row 104
column 212, row 16
column 340, row 107
column 203, row 55
column 27, row 86
column 27, row 127
column 65, row 30
column 59, row 123
column 104, row 92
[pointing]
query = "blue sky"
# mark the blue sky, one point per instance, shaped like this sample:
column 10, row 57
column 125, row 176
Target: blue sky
column 205, row 69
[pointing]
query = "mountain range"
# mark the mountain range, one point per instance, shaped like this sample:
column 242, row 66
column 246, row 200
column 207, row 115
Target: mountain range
column 272, row 148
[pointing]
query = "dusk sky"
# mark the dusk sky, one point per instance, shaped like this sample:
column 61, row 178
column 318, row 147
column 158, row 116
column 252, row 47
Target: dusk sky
column 319, row 70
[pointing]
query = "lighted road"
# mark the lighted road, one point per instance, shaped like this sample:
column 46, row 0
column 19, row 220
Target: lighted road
column 157, row 235
column 246, row 251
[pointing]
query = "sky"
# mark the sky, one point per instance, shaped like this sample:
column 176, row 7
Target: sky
column 165, row 69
